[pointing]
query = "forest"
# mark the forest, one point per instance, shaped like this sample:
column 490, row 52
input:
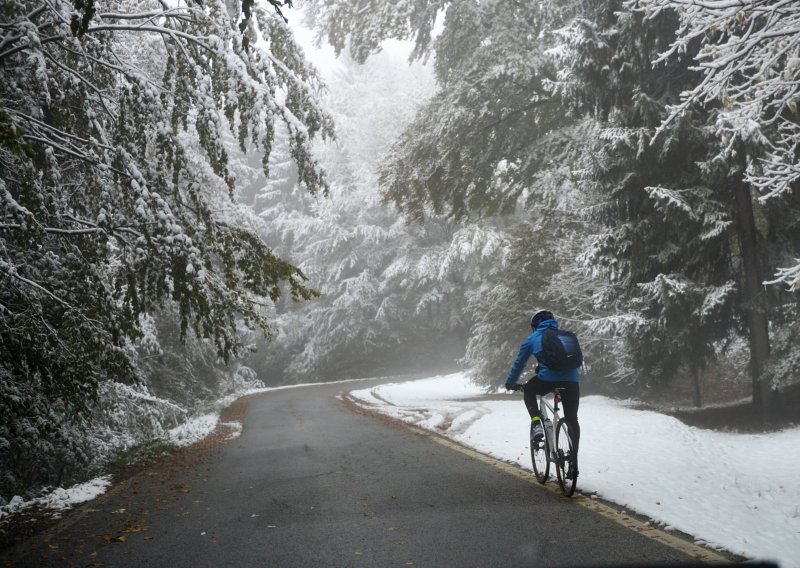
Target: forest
column 190, row 207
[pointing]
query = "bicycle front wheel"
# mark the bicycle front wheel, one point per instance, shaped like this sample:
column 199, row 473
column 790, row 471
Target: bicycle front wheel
column 565, row 459
column 541, row 465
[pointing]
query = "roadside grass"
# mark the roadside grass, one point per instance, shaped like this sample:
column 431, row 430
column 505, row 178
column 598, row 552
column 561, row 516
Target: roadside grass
column 147, row 452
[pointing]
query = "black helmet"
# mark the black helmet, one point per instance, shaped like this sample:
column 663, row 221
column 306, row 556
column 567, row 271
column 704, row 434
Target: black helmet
column 541, row 316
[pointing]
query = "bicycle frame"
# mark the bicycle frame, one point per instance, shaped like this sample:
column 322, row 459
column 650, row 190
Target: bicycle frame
column 551, row 411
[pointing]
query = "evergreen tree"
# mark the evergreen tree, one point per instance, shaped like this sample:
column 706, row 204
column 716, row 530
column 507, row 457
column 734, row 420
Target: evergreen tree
column 665, row 242
column 478, row 144
column 393, row 295
column 492, row 141
column 748, row 69
column 543, row 269
column 115, row 191
column 363, row 25
column 684, row 248
column 681, row 227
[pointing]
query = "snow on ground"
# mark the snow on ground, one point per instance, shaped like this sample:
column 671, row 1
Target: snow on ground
column 740, row 492
column 194, row 429
column 61, row 499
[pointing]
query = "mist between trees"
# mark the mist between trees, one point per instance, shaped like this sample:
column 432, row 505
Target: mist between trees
column 173, row 181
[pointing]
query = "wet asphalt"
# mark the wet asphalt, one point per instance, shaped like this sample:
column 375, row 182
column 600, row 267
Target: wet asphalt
column 310, row 482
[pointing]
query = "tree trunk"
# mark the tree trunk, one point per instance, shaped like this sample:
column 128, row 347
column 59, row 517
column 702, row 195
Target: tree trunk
column 756, row 317
column 698, row 393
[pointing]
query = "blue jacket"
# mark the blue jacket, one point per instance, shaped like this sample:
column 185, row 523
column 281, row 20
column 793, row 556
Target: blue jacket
column 533, row 346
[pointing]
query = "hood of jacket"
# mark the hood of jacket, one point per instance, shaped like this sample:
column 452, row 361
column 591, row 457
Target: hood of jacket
column 547, row 323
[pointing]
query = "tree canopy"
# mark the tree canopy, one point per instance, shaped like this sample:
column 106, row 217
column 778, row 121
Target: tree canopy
column 116, row 189
column 668, row 202
column 749, row 58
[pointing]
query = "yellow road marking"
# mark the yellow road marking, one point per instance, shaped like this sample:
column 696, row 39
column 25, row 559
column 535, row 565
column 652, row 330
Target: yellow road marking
column 691, row 549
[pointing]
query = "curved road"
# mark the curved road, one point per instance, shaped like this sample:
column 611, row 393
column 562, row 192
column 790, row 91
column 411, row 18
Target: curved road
column 311, row 483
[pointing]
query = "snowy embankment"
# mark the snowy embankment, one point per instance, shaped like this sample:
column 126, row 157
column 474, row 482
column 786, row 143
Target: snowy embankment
column 60, row 499
column 192, row 430
column 740, row 492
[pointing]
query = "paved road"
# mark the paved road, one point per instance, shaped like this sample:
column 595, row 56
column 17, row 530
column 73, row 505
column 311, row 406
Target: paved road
column 311, row 483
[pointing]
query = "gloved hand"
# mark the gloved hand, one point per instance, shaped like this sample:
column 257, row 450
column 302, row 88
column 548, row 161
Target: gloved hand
column 513, row 386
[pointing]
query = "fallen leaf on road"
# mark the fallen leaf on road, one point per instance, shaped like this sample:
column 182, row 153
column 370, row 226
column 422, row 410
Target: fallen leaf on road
column 148, row 538
column 121, row 538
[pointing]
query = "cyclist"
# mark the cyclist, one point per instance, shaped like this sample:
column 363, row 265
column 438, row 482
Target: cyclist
column 545, row 381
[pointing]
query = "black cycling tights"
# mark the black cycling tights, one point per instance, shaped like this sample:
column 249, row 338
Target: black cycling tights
column 570, row 399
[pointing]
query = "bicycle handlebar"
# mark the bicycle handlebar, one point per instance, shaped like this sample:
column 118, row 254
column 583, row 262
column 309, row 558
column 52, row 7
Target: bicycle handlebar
column 518, row 387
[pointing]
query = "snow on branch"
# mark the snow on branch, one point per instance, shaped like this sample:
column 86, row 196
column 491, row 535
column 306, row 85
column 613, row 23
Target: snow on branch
column 116, row 127
column 789, row 276
column 672, row 198
column 11, row 271
column 749, row 58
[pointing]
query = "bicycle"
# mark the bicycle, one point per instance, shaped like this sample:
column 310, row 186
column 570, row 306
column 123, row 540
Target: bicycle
column 555, row 449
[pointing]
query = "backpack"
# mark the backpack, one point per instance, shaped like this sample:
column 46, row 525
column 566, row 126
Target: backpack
column 561, row 350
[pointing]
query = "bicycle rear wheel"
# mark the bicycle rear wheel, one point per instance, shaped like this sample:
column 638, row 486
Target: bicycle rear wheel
column 541, row 465
column 565, row 460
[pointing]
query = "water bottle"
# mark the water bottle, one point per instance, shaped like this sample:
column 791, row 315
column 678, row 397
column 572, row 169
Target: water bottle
column 549, row 425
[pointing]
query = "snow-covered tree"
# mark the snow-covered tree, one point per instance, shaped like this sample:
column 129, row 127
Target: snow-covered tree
column 683, row 235
column 116, row 186
column 683, row 232
column 665, row 243
column 541, row 269
column 749, row 64
column 488, row 143
column 478, row 144
column 361, row 26
column 393, row 295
